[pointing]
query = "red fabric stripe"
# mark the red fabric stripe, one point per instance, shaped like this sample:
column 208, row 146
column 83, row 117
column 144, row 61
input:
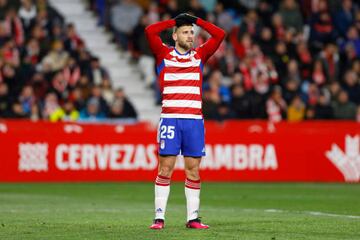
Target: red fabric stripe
column 179, row 83
column 162, row 180
column 160, row 184
column 196, row 111
column 182, row 96
column 162, row 177
column 193, row 184
column 182, row 70
column 193, row 181
column 182, row 60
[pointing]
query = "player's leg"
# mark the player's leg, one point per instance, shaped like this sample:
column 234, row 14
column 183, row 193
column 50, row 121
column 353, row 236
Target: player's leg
column 193, row 150
column 162, row 184
column 169, row 148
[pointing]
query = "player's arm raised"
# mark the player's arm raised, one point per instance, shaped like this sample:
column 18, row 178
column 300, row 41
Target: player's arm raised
column 152, row 34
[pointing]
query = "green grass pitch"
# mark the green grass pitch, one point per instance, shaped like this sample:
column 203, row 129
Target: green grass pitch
column 246, row 211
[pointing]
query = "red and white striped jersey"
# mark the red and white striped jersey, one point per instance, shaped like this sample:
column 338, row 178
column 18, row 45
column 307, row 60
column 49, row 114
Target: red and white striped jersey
column 180, row 75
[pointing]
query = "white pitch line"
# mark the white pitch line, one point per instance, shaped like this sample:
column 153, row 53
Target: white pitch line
column 312, row 213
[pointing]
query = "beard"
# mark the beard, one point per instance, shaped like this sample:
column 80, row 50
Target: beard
column 185, row 45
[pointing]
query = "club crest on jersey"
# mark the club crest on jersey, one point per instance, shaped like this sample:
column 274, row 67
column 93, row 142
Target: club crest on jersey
column 162, row 144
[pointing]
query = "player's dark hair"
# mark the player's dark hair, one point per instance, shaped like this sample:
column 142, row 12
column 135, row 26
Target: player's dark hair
column 181, row 25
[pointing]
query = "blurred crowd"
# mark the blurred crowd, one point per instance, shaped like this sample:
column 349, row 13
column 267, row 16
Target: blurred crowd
column 46, row 71
column 282, row 60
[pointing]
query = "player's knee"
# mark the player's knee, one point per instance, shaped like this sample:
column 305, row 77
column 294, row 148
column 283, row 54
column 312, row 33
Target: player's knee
column 165, row 171
column 192, row 172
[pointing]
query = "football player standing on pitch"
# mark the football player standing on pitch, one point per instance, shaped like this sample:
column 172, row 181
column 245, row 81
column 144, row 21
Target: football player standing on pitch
column 181, row 127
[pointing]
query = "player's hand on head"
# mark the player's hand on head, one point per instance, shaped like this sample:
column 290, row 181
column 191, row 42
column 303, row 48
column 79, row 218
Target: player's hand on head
column 185, row 18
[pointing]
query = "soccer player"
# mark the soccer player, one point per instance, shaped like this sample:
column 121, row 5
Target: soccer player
column 181, row 127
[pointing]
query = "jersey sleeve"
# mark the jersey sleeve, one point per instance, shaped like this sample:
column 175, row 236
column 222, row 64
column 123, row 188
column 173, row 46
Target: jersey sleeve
column 152, row 32
column 212, row 44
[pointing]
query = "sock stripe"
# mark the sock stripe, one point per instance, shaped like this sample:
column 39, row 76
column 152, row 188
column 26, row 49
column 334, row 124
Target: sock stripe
column 193, row 181
column 162, row 177
column 162, row 181
column 192, row 184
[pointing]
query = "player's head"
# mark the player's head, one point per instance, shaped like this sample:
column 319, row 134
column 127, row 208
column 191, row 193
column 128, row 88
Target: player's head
column 183, row 36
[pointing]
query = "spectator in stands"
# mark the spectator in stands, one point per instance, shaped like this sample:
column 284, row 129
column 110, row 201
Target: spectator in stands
column 56, row 59
column 97, row 93
column 5, row 101
column 17, row 111
column 224, row 112
column 124, row 17
column 352, row 38
column 49, row 105
column 305, row 59
column 96, row 73
column 321, row 25
column 351, row 86
column 128, row 110
column 276, row 106
column 14, row 26
column 251, row 24
column 323, row 109
column 215, row 83
column 344, row 17
column 211, row 101
column 291, row 90
column 27, row 13
column 172, row 8
column 141, row 47
column 291, row 15
column 40, row 85
column 318, row 75
column 197, row 9
column 92, row 111
column 107, row 91
column 343, row 108
column 67, row 112
column 76, row 96
column 240, row 102
column 224, row 19
column 296, row 110
column 72, row 40
column 27, row 99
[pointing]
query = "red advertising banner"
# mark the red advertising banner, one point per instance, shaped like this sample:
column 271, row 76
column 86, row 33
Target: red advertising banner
column 235, row 151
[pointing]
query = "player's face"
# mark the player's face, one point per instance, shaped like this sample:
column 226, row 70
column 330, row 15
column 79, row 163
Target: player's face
column 184, row 37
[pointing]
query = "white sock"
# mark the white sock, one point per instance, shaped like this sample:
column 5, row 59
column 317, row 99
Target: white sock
column 192, row 193
column 162, row 190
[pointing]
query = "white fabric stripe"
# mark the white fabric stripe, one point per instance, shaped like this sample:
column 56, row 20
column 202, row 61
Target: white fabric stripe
column 168, row 182
column 193, row 63
column 162, row 180
column 181, row 76
column 192, row 183
column 193, row 186
column 179, row 115
column 181, row 103
column 188, row 55
column 187, row 90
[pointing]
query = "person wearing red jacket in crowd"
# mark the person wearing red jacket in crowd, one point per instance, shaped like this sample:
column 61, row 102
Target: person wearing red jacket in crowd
column 181, row 127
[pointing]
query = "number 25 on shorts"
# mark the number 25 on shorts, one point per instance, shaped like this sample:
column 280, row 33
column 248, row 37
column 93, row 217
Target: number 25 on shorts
column 167, row 132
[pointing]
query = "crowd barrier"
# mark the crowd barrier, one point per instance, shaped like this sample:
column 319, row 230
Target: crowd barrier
column 324, row 151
